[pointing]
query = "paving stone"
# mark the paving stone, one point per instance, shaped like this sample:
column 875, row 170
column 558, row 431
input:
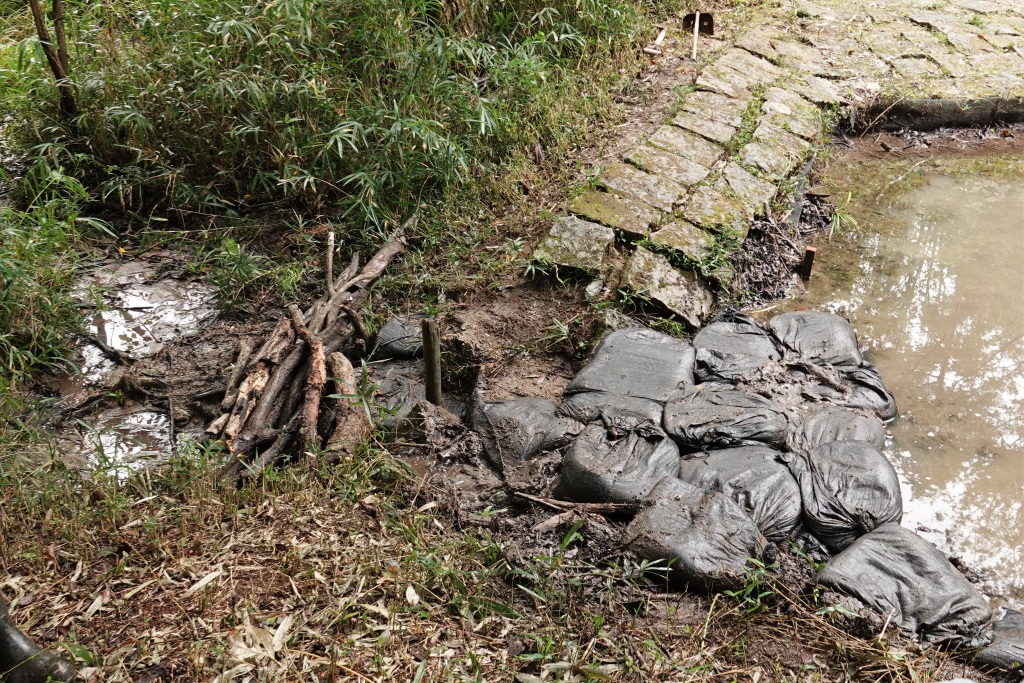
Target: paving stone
column 686, row 144
column 716, row 131
column 747, row 187
column 627, row 214
column 686, row 238
column 671, row 166
column 789, row 111
column 758, row 41
column 724, row 82
column 916, row 67
column 682, row 293
column 961, row 36
column 717, row 209
column 802, row 58
column 628, row 181
column 816, row 89
column 737, row 73
column 759, row 69
column 576, row 243
column 717, row 107
column 774, row 151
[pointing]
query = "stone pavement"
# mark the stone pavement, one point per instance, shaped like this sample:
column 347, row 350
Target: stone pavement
column 687, row 194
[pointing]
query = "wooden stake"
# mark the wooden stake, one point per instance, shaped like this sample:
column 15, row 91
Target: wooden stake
column 432, row 361
column 805, row 267
column 696, row 32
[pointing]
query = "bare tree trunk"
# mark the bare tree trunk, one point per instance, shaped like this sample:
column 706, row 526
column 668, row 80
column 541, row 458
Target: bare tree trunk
column 56, row 55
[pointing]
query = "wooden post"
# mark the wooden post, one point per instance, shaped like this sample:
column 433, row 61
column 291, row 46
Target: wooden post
column 696, row 32
column 432, row 360
column 805, row 267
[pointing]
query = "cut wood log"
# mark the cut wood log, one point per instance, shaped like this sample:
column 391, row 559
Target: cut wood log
column 352, row 426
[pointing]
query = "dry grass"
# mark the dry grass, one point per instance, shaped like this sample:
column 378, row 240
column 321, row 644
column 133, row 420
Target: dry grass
column 358, row 573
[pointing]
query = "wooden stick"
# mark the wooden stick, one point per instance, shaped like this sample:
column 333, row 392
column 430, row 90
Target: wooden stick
column 808, row 263
column 317, row 379
column 231, row 393
column 696, row 32
column 563, row 505
column 431, row 360
column 330, row 264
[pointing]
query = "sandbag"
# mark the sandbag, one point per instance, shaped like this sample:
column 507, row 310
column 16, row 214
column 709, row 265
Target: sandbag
column 513, row 431
column 637, row 362
column 704, row 537
column 617, row 463
column 848, row 488
column 898, row 573
column 1007, row 649
column 868, row 392
column 594, row 406
column 399, row 388
column 718, row 416
column 399, row 338
column 826, row 424
column 818, row 337
column 756, row 480
column 730, row 347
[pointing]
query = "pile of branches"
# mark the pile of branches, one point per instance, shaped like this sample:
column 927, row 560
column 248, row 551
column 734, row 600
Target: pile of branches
column 276, row 399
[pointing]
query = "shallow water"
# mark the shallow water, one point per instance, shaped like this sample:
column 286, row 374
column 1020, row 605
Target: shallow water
column 933, row 281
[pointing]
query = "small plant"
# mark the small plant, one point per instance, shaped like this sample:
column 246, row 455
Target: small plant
column 757, row 588
column 842, row 219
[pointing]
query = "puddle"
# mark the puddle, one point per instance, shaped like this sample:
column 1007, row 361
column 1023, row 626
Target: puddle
column 136, row 314
column 934, row 284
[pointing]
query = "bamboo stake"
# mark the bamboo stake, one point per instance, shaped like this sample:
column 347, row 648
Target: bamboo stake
column 696, row 32
column 432, row 361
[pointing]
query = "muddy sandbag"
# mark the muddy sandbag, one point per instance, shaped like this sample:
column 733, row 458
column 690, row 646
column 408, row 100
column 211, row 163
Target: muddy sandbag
column 756, row 480
column 1007, row 649
column 730, row 347
column 826, row 424
column 896, row 572
column 703, row 536
column 637, row 362
column 848, row 489
column 617, row 463
column 868, row 392
column 399, row 388
column 719, row 416
column 818, row 337
column 595, row 406
column 513, row 431
column 399, row 338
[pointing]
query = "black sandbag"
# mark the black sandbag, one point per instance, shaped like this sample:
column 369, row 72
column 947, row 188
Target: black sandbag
column 1007, row 649
column 848, row 488
column 825, row 424
column 399, row 388
column 818, row 337
column 718, row 416
column 900, row 575
column 617, row 463
column 637, row 362
column 513, row 431
column 399, row 338
column 704, row 537
column 594, row 406
column 868, row 392
column 730, row 347
column 756, row 480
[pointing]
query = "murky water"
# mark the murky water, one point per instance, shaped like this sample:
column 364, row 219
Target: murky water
column 933, row 281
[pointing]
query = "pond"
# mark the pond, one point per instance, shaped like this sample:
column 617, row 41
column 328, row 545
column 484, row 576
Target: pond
column 932, row 278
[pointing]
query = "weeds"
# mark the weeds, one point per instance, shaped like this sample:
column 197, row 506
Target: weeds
column 842, row 219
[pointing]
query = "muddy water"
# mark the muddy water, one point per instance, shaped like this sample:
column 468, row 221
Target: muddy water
column 933, row 280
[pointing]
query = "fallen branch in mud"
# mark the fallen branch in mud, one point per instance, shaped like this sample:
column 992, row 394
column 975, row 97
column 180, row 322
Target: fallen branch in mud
column 277, row 393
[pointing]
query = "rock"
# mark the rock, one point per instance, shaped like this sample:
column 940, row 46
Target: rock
column 628, row 214
column 686, row 144
column 692, row 242
column 627, row 181
column 713, row 130
column 667, row 164
column 576, row 243
column 681, row 293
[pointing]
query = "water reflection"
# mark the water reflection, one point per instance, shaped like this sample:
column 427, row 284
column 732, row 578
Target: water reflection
column 935, row 289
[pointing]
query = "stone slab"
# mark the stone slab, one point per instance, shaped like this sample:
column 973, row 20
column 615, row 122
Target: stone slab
column 682, row 293
column 576, row 243
column 717, row 107
column 628, row 181
column 774, row 151
column 816, row 89
column 686, row 238
column 717, row 209
column 789, row 111
column 716, row 131
column 671, row 166
column 686, row 144
column 627, row 214
column 747, row 187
